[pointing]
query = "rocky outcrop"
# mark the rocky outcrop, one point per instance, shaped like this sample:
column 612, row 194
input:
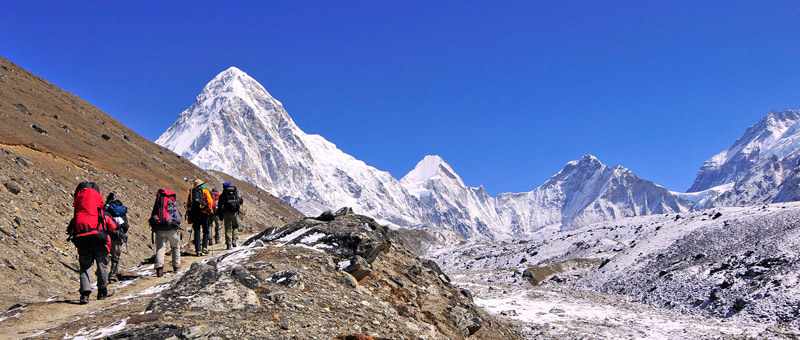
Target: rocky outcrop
column 315, row 279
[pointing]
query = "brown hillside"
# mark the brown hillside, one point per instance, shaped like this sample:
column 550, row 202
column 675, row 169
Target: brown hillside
column 50, row 140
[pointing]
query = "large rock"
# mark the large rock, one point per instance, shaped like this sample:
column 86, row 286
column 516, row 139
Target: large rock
column 204, row 287
column 343, row 236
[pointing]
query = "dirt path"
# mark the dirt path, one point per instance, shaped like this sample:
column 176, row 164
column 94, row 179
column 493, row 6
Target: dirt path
column 61, row 317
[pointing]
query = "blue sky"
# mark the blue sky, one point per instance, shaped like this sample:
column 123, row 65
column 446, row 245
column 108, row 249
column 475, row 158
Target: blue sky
column 506, row 92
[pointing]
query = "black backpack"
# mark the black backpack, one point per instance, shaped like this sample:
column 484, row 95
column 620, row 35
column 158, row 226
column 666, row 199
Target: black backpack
column 198, row 200
column 230, row 198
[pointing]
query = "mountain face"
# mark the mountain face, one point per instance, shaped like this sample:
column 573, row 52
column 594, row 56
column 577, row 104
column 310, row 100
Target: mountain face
column 236, row 126
column 760, row 167
column 777, row 134
column 448, row 202
column 584, row 192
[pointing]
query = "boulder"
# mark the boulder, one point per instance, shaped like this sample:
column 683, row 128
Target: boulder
column 343, row 237
column 288, row 278
column 343, row 212
column 467, row 319
column 358, row 267
column 243, row 276
column 39, row 129
column 13, row 188
column 327, row 215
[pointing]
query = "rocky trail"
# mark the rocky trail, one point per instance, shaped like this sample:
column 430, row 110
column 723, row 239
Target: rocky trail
column 58, row 316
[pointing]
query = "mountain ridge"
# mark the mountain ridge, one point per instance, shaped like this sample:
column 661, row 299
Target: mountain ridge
column 314, row 175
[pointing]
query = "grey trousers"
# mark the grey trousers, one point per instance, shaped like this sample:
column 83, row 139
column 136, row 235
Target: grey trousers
column 230, row 219
column 173, row 237
column 87, row 258
column 116, row 252
column 216, row 225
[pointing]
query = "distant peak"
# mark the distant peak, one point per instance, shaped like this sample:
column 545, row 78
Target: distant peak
column 232, row 74
column 234, row 82
column 431, row 166
column 586, row 159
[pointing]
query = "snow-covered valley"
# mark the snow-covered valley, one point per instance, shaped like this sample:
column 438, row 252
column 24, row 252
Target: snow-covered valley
column 732, row 270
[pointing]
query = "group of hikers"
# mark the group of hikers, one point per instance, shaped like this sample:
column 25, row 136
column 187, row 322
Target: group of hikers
column 100, row 228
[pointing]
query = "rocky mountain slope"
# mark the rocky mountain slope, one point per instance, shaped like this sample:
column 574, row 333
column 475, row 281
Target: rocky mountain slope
column 235, row 126
column 51, row 140
column 338, row 276
column 735, row 264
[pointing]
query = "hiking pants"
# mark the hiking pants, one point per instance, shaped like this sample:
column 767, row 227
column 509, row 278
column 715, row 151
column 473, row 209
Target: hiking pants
column 88, row 257
column 116, row 251
column 231, row 222
column 171, row 236
column 215, row 223
column 200, row 221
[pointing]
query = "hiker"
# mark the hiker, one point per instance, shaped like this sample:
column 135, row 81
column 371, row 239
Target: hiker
column 89, row 230
column 215, row 216
column 230, row 204
column 119, row 213
column 199, row 206
column 165, row 221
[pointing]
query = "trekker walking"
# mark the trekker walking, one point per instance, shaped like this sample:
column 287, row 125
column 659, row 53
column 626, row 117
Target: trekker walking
column 119, row 213
column 230, row 204
column 165, row 221
column 199, row 206
column 215, row 216
column 89, row 230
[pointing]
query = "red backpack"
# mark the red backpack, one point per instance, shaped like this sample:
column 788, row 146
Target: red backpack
column 165, row 214
column 89, row 226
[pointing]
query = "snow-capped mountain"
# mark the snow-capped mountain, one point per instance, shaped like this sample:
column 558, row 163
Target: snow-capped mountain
column 584, row 192
column 759, row 167
column 450, row 203
column 237, row 127
column 777, row 134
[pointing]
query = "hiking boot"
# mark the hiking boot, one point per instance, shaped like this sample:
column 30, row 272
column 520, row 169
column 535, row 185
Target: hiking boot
column 160, row 272
column 102, row 294
column 176, row 269
column 199, row 253
column 234, row 244
column 205, row 251
column 228, row 247
column 112, row 278
column 84, row 299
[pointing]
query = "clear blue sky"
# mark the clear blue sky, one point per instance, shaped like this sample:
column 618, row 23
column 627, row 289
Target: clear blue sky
column 506, row 92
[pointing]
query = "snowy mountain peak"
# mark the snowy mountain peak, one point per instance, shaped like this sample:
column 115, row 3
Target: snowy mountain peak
column 777, row 134
column 586, row 160
column 430, row 168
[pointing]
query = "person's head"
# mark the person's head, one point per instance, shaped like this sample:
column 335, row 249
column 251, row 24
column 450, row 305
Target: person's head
column 111, row 196
column 226, row 184
column 198, row 182
column 214, row 191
